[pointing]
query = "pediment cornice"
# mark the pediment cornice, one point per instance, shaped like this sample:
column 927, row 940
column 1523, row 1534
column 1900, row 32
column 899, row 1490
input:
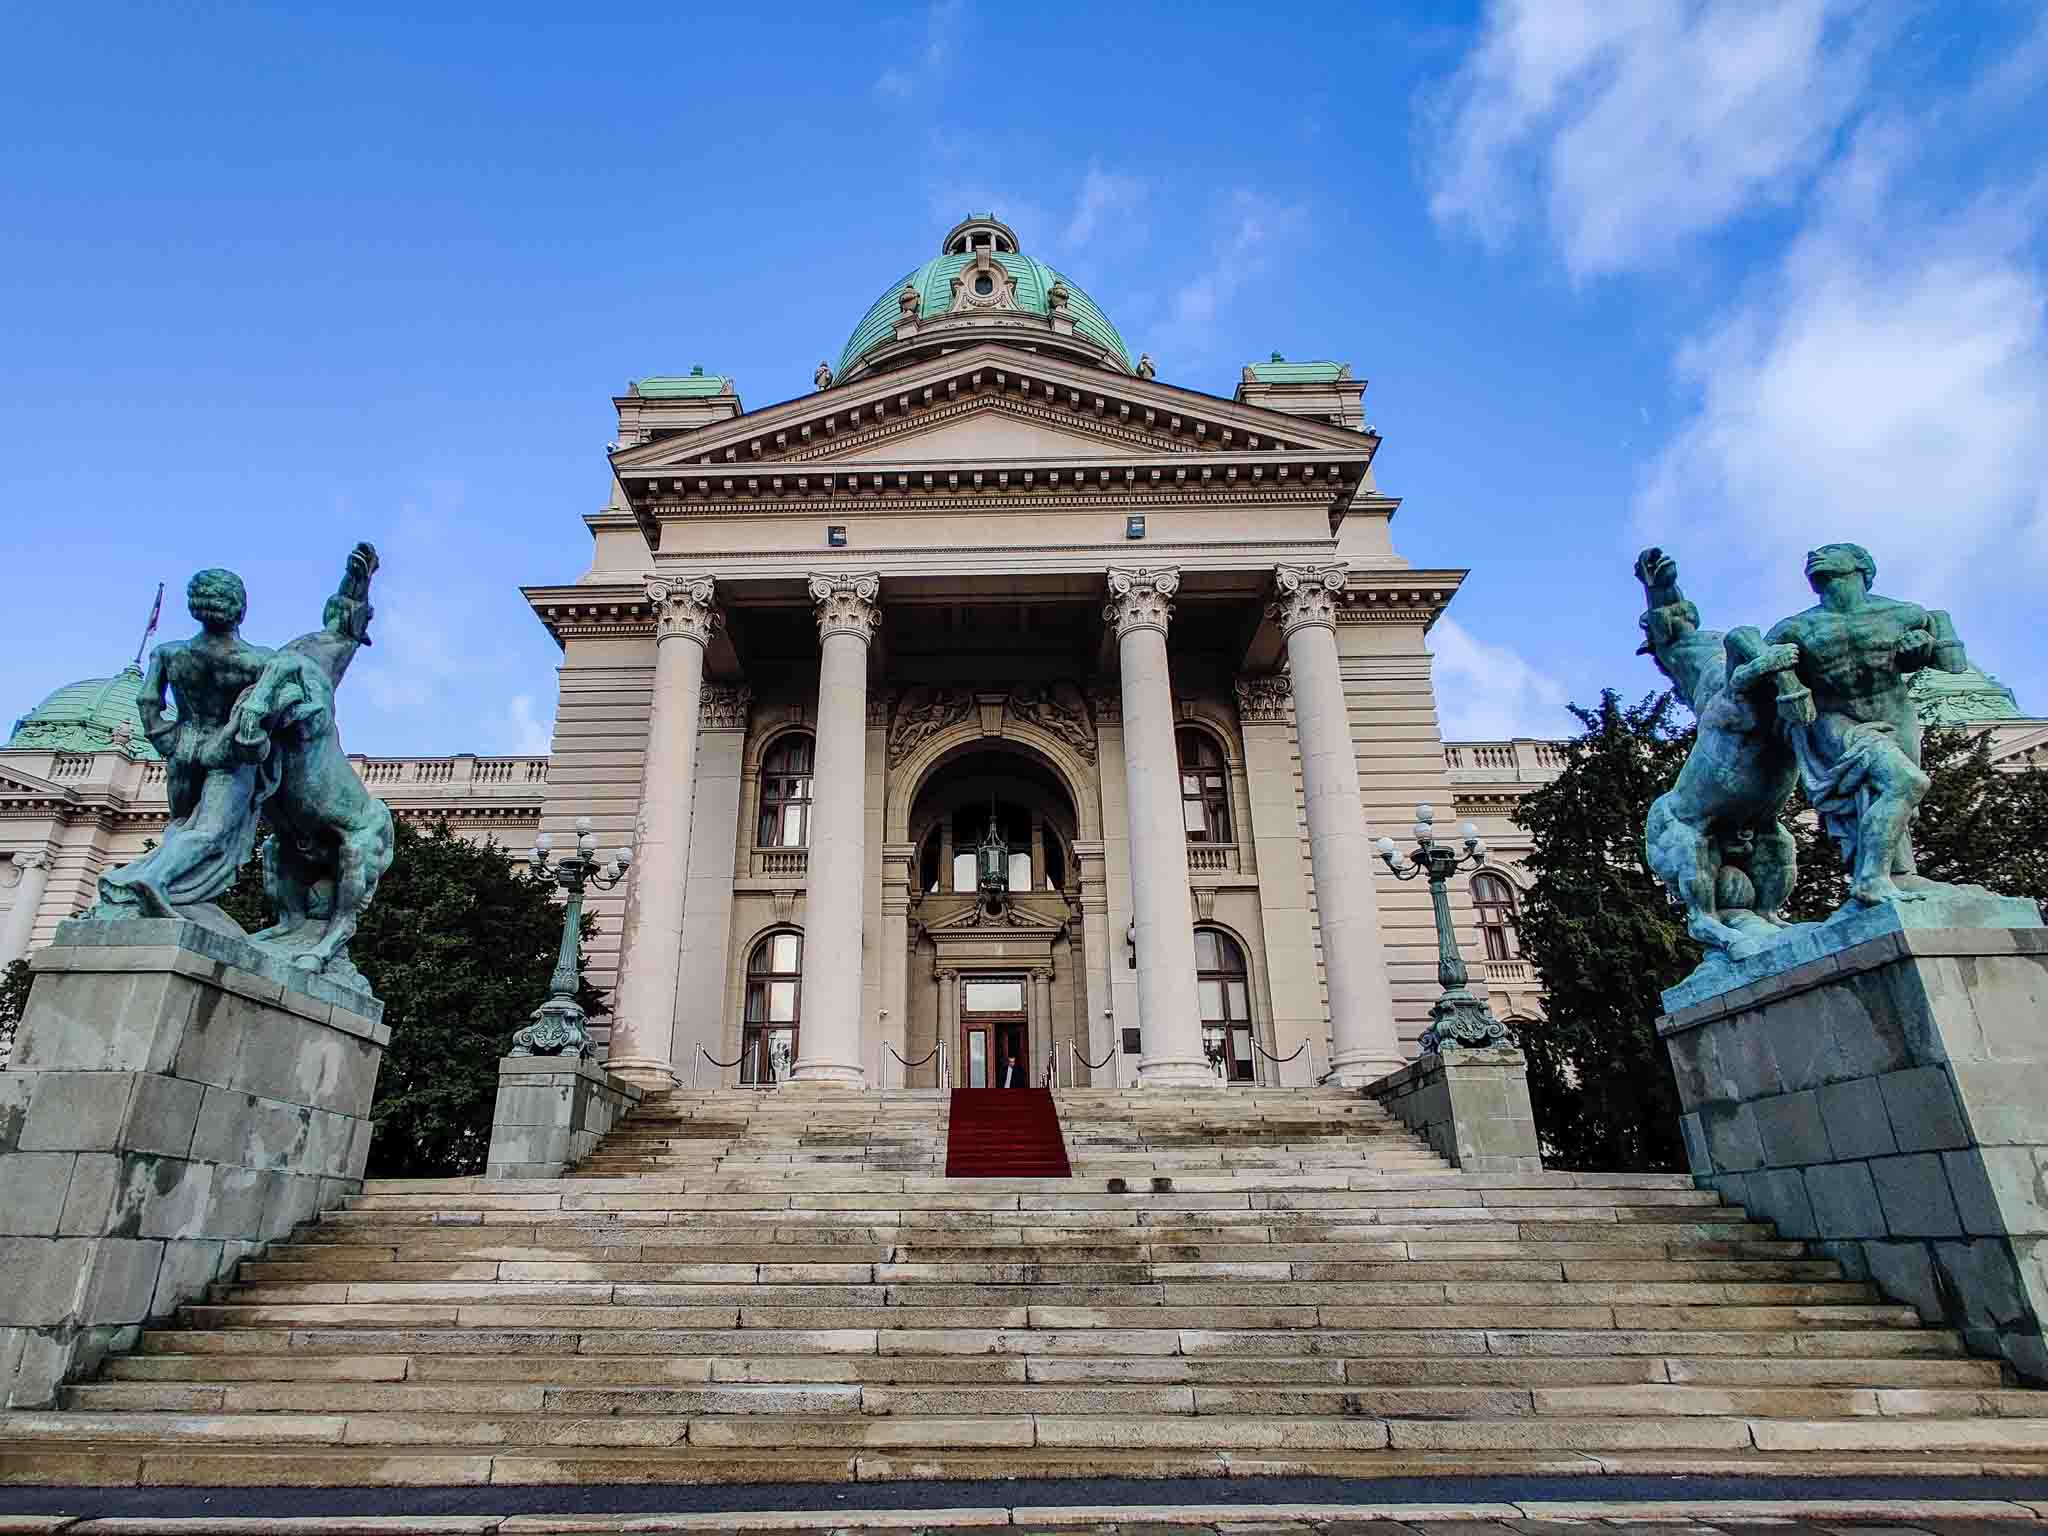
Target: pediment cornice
column 1133, row 414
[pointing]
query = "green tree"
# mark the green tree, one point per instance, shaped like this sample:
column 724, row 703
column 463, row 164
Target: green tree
column 13, row 999
column 1605, row 941
column 461, row 947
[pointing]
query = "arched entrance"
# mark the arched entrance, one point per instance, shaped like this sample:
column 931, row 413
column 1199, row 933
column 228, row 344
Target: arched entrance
column 997, row 965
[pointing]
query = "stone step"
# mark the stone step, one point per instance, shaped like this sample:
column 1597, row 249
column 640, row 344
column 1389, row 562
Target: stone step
column 836, row 1421
column 1814, row 1350
column 750, row 1365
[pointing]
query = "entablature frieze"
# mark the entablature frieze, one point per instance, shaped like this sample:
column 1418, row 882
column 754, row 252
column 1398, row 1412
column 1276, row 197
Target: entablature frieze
column 1063, row 485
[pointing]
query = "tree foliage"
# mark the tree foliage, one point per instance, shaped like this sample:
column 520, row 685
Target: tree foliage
column 13, row 999
column 460, row 946
column 1606, row 940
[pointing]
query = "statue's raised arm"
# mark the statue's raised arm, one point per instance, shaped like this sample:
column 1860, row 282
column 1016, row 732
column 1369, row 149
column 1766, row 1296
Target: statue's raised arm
column 1714, row 838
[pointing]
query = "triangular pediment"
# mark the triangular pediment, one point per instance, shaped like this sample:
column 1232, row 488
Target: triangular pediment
column 988, row 430
column 1096, row 409
column 1014, row 918
column 13, row 781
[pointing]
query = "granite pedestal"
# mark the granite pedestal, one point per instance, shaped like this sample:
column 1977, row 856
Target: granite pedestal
column 1471, row 1106
column 551, row 1113
column 1887, row 1099
column 177, row 1099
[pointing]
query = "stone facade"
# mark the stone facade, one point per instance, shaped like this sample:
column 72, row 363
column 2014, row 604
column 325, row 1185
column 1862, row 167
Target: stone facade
column 1884, row 1099
column 992, row 567
column 176, row 1101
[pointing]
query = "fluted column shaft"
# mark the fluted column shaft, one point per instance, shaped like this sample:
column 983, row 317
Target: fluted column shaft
column 19, row 930
column 1363, row 1043
column 828, row 1048
column 1169, row 1016
column 651, row 939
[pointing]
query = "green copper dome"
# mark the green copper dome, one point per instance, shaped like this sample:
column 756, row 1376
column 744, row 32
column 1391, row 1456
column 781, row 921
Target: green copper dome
column 1031, row 283
column 88, row 716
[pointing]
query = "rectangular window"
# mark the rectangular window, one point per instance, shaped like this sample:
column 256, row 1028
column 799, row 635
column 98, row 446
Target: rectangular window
column 992, row 996
column 977, row 1058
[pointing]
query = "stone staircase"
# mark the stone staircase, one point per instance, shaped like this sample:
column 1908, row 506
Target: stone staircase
column 773, row 1286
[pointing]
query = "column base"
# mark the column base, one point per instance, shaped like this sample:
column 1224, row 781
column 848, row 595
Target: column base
column 643, row 1072
column 1358, row 1070
column 1178, row 1071
column 831, row 1074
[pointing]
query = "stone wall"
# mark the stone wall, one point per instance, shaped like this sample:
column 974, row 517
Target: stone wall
column 1890, row 1102
column 551, row 1113
column 1471, row 1106
column 169, row 1111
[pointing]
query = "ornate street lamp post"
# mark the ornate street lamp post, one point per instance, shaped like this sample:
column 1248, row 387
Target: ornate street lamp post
column 1457, row 1018
column 558, row 1024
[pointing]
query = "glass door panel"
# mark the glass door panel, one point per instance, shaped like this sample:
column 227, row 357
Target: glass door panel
column 977, row 1058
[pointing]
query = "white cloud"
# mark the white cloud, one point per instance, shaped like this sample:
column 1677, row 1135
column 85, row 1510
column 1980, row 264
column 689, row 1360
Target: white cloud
column 531, row 735
column 1103, row 196
column 1490, row 692
column 1887, row 382
column 935, row 41
column 1252, row 225
column 1639, row 125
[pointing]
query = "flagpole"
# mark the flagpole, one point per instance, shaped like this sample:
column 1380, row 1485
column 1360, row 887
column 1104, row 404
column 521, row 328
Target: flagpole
column 155, row 613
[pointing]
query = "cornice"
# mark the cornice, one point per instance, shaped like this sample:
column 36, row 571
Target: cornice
column 1074, row 390
column 983, row 486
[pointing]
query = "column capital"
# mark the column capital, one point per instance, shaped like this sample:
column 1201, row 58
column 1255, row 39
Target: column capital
column 1141, row 598
column 945, row 973
column 848, row 605
column 684, row 606
column 1262, row 698
column 1306, row 596
column 26, row 859
column 1042, row 973
column 723, row 706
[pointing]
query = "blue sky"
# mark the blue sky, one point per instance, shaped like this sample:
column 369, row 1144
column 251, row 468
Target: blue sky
column 1730, row 277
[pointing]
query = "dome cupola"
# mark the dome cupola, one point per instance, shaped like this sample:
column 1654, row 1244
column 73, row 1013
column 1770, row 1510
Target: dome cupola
column 99, row 714
column 980, row 287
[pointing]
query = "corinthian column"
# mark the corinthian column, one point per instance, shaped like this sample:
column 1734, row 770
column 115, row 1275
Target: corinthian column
column 828, row 1047
column 32, row 868
column 651, row 941
column 1363, row 1045
column 1169, row 1017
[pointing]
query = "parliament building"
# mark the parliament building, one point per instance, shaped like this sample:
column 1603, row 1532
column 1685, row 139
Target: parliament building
column 997, row 707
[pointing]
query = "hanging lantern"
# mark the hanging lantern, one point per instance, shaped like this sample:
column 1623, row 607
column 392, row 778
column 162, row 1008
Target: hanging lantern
column 992, row 859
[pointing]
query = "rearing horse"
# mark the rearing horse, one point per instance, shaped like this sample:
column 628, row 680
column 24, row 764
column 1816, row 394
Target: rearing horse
column 331, row 839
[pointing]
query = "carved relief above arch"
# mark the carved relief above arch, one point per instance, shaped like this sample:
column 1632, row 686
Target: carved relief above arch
column 1075, row 773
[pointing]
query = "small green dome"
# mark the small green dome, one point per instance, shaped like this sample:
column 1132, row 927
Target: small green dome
column 1031, row 280
column 88, row 716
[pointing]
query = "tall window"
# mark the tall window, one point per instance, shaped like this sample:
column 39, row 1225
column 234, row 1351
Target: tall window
column 786, row 794
column 774, row 1008
column 1495, row 900
column 1222, row 985
column 1204, row 789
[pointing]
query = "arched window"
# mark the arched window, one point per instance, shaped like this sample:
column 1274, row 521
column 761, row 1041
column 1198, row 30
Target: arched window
column 774, row 1008
column 1494, row 899
column 1223, row 986
column 786, row 794
column 1204, row 789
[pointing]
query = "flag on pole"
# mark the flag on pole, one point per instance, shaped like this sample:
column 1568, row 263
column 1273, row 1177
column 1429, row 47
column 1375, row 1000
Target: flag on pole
column 155, row 613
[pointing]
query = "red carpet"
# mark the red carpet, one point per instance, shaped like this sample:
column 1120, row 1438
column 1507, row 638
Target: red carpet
column 1005, row 1133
